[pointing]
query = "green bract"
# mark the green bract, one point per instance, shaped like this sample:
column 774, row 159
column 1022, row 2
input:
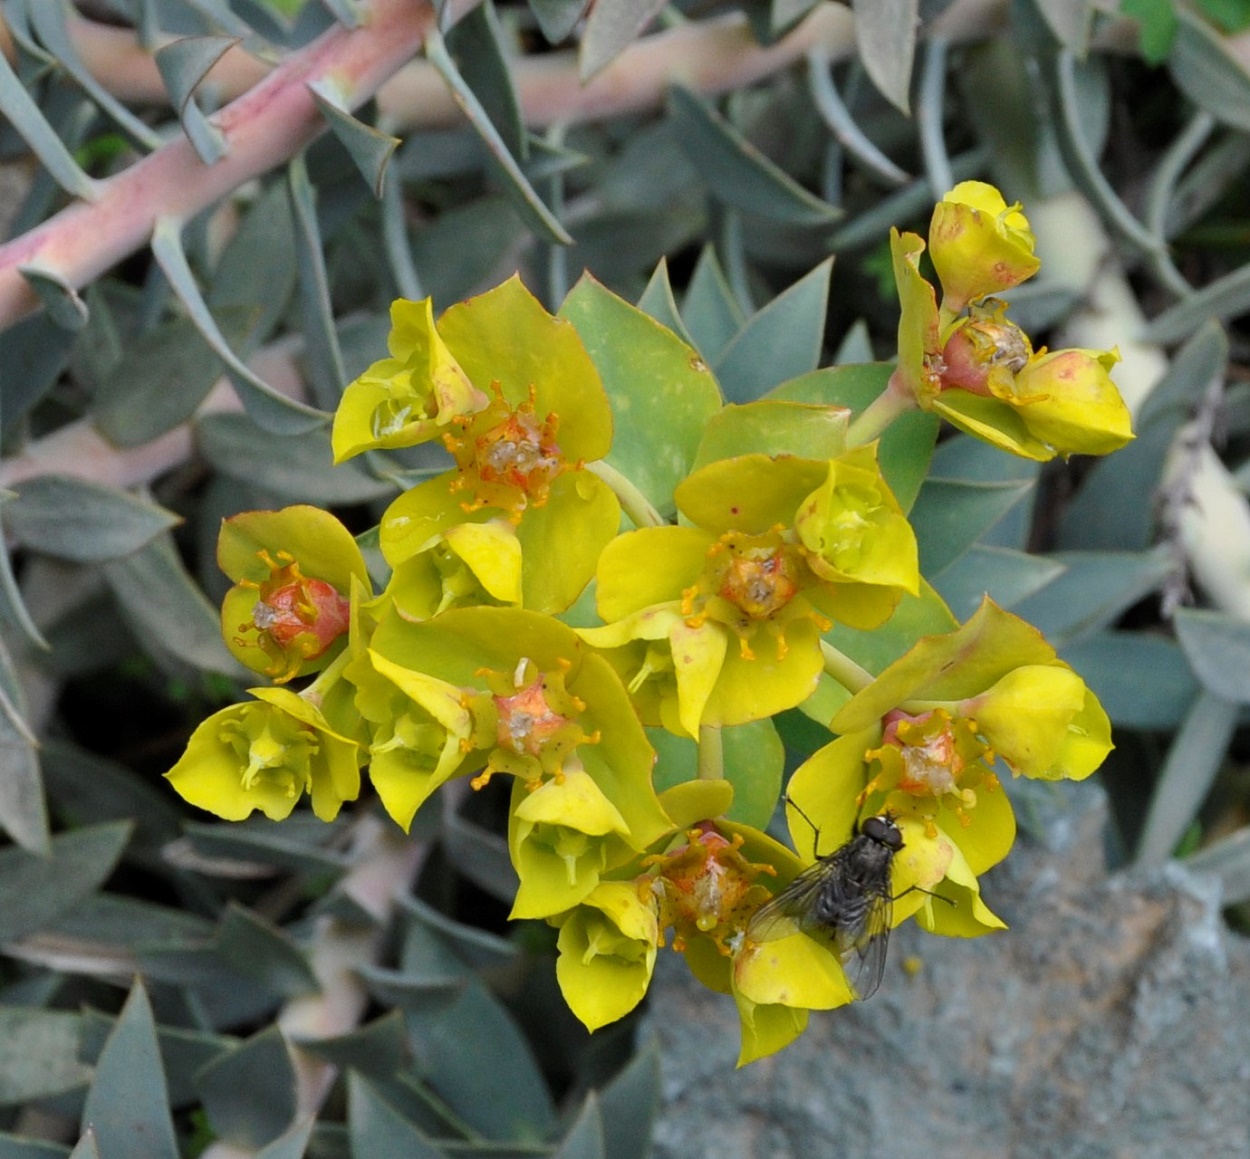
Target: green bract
column 423, row 733
column 510, row 691
column 266, row 755
column 520, row 457
column 607, row 952
column 720, row 624
column 963, row 669
column 412, row 396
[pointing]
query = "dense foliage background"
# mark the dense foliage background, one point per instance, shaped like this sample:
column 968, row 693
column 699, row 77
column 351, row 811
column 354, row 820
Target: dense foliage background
column 211, row 205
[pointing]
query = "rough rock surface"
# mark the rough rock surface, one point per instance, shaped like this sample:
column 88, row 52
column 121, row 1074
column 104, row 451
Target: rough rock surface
column 1112, row 1021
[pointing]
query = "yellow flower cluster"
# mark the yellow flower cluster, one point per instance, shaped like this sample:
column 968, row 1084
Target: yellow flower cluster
column 467, row 651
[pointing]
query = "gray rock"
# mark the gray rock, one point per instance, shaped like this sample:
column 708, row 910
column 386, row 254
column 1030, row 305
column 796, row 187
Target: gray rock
column 1111, row 1021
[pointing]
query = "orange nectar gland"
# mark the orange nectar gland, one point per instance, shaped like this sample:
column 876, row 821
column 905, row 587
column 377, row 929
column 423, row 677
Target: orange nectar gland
column 753, row 578
column 506, row 456
column 297, row 618
column 536, row 728
column 931, row 755
column 705, row 887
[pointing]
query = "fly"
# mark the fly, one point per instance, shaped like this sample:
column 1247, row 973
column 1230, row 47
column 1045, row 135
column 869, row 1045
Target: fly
column 845, row 900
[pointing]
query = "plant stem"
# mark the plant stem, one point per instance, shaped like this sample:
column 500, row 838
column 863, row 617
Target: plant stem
column 263, row 128
column 711, row 753
column 895, row 400
column 843, row 669
column 633, row 502
column 326, row 678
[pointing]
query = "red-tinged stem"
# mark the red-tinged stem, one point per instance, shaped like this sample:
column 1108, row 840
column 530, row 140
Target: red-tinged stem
column 711, row 56
column 262, row 128
column 78, row 449
column 384, row 864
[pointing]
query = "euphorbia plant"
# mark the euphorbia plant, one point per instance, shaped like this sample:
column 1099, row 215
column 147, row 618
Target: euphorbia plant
column 786, row 530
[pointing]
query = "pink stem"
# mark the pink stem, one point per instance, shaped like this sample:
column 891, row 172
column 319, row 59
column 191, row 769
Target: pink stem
column 263, row 127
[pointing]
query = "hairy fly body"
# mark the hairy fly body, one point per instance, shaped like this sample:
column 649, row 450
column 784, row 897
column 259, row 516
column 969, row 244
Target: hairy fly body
column 845, row 900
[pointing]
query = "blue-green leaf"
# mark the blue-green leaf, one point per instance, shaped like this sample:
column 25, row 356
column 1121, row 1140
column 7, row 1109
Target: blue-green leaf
column 557, row 18
column 28, row 122
column 629, row 1105
column 300, row 467
column 1223, row 297
column 585, row 1137
column 85, row 1148
column 737, row 172
column 38, row 1054
column 255, row 275
column 476, row 948
column 710, row 311
column 505, row 1100
column 1196, row 754
column 36, row 890
column 950, row 515
column 1142, row 680
column 85, row 788
column 48, row 21
column 611, row 27
column 271, row 409
column 1229, row 859
column 183, row 1052
column 183, row 64
column 347, row 12
column 85, row 522
column 261, row 951
column 1207, row 72
column 476, row 42
column 369, row 148
column 325, row 360
column 779, row 342
column 292, row 1143
column 1092, row 592
column 127, row 1106
column 521, row 193
column 1217, row 647
column 659, row 301
column 59, row 298
column 23, row 814
column 249, row 1093
column 299, row 843
column 376, row 1128
column 885, row 34
column 1005, row 575
column 1107, row 512
column 378, row 1048
column 170, row 615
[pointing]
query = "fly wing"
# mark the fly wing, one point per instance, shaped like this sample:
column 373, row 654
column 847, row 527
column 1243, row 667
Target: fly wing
column 793, row 910
column 867, row 948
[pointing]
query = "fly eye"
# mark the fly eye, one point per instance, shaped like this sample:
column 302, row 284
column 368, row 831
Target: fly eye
column 884, row 831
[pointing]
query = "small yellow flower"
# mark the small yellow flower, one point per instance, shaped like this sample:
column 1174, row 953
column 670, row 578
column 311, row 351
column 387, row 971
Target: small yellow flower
column 266, row 755
column 607, row 950
column 294, row 572
column 969, row 363
column 980, row 245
